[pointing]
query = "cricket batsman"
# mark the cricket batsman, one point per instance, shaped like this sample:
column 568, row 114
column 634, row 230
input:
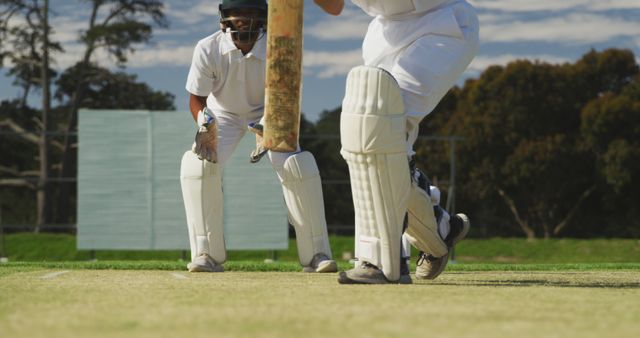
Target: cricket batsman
column 226, row 83
column 414, row 51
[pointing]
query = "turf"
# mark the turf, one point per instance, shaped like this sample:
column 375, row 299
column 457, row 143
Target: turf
column 59, row 247
column 256, row 266
column 68, row 301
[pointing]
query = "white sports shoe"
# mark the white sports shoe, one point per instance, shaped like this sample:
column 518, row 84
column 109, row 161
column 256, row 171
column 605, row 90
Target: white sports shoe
column 367, row 273
column 321, row 263
column 204, row 263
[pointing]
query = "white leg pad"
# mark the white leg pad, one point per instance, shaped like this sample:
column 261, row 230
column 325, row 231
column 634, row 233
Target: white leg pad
column 373, row 135
column 423, row 228
column 202, row 194
column 303, row 196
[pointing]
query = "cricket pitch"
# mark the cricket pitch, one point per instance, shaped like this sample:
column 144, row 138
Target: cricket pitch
column 109, row 303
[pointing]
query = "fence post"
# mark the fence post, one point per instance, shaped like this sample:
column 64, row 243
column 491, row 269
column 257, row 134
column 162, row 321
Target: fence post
column 451, row 198
column 3, row 256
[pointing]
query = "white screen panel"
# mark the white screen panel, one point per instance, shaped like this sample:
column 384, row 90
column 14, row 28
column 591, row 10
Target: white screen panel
column 129, row 188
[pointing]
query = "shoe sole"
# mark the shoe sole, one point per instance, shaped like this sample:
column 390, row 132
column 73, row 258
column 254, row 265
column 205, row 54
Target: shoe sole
column 323, row 267
column 327, row 266
column 344, row 279
column 200, row 268
column 466, row 225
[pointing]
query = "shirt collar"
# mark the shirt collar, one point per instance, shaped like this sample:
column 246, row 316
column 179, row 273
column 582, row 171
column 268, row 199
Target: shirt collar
column 227, row 45
column 258, row 51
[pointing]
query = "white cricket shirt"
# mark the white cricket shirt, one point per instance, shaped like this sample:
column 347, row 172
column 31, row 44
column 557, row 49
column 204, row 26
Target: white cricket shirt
column 233, row 82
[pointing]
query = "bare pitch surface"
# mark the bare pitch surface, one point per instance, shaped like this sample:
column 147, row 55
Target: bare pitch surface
column 106, row 303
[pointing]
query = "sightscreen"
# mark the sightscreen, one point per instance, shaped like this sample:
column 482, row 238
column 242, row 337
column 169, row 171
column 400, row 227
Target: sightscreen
column 129, row 193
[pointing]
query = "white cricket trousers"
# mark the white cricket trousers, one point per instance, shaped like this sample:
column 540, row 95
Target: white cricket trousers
column 426, row 54
column 231, row 129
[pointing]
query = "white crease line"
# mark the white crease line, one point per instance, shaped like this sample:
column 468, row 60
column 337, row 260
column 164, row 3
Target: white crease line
column 178, row 276
column 54, row 274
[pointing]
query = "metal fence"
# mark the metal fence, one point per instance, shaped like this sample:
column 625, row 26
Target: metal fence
column 447, row 185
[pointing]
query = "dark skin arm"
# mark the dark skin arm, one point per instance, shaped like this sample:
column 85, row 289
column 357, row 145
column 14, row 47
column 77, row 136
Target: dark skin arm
column 333, row 7
column 196, row 104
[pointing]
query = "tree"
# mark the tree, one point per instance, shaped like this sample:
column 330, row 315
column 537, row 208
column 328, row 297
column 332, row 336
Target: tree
column 116, row 26
column 111, row 90
column 325, row 145
column 611, row 130
column 30, row 59
column 522, row 132
column 121, row 28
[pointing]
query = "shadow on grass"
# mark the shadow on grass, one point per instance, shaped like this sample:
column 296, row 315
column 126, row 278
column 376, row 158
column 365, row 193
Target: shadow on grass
column 538, row 282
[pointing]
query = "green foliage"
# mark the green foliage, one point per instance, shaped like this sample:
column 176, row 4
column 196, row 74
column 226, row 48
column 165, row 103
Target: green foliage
column 531, row 151
column 23, row 43
column 123, row 28
column 116, row 26
column 611, row 130
column 324, row 144
column 111, row 90
column 548, row 150
column 23, row 116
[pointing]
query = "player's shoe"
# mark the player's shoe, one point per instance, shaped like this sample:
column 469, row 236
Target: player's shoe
column 204, row 263
column 321, row 263
column 367, row 273
column 429, row 267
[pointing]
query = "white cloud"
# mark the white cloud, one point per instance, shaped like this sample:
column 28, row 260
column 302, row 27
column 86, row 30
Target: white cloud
column 525, row 5
column 502, row 21
column 67, row 30
column 614, row 4
column 162, row 56
column 573, row 28
column 331, row 63
column 553, row 5
column 69, row 21
column 351, row 24
column 149, row 57
column 192, row 13
column 480, row 63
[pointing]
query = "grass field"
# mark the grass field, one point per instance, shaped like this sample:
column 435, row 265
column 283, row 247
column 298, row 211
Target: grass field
column 57, row 247
column 498, row 288
column 38, row 300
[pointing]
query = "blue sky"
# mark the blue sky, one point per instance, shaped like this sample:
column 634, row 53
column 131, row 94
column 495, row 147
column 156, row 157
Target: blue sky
column 554, row 31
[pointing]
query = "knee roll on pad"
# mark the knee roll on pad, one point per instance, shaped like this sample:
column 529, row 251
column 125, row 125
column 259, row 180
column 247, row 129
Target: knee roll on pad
column 303, row 196
column 373, row 136
column 201, row 184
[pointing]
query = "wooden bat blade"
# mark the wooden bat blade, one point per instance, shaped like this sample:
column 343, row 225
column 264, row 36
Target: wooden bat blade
column 283, row 75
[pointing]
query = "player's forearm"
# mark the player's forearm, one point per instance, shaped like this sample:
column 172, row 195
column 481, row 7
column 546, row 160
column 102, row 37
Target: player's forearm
column 333, row 7
column 196, row 104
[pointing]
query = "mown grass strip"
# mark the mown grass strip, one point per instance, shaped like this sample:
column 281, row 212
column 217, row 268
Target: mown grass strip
column 29, row 247
column 253, row 266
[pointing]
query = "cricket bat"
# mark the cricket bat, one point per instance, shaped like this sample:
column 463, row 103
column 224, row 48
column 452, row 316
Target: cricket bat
column 283, row 84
